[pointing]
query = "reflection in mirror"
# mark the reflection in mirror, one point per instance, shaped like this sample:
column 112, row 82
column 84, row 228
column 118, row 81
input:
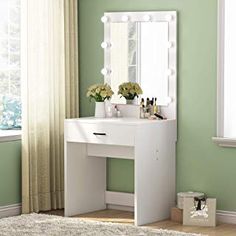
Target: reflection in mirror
column 154, row 60
column 141, row 51
column 123, row 60
column 118, row 56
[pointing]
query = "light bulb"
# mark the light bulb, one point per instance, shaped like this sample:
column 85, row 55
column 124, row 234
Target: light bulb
column 170, row 72
column 104, row 19
column 105, row 71
column 147, row 18
column 105, row 45
column 169, row 17
column 170, row 44
column 125, row 18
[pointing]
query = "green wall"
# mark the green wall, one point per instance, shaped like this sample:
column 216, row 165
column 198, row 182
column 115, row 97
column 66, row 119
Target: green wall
column 201, row 165
column 10, row 173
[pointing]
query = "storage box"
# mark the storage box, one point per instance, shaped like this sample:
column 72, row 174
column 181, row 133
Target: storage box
column 181, row 196
column 199, row 212
column 177, row 215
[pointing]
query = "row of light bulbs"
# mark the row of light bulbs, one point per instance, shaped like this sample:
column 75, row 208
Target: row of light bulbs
column 105, row 45
column 106, row 71
column 146, row 18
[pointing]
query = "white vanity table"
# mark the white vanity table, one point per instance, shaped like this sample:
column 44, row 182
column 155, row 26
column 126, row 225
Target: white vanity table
column 151, row 144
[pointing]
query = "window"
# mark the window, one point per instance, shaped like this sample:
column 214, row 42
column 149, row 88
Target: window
column 10, row 86
column 226, row 110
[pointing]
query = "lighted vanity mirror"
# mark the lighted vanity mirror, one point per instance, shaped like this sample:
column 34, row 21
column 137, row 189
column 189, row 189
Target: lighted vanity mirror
column 141, row 47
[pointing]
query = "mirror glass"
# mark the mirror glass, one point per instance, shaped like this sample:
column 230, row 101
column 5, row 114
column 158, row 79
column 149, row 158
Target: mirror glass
column 154, row 60
column 142, row 51
column 123, row 53
column 139, row 53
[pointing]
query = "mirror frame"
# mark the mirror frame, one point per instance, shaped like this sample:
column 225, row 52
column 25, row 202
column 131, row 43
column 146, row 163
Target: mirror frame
column 148, row 16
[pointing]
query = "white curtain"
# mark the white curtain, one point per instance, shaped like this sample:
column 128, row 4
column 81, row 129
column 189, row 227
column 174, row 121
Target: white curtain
column 49, row 94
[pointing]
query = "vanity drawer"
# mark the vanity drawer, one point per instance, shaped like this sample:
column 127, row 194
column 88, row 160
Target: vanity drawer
column 113, row 134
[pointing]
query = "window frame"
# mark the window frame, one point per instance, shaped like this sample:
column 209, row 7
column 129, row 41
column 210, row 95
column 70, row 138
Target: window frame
column 220, row 139
column 10, row 135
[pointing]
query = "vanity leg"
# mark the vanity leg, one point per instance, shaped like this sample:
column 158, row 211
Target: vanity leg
column 154, row 176
column 85, row 180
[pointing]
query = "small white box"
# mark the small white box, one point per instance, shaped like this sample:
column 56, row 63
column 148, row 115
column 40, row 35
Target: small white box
column 182, row 195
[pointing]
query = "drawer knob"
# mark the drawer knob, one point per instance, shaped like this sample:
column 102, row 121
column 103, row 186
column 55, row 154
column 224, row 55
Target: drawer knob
column 103, row 134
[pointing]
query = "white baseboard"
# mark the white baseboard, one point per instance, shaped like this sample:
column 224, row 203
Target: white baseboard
column 10, row 210
column 228, row 217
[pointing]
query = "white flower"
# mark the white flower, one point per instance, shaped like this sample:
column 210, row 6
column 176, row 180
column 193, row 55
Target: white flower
column 130, row 90
column 99, row 92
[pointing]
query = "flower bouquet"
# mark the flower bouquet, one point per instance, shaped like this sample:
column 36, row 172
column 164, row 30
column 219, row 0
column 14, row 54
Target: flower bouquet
column 129, row 91
column 99, row 92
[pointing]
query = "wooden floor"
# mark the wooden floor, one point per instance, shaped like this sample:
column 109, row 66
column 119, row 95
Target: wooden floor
column 128, row 218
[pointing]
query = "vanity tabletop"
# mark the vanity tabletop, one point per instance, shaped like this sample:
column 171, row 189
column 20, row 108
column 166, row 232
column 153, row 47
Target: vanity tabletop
column 123, row 120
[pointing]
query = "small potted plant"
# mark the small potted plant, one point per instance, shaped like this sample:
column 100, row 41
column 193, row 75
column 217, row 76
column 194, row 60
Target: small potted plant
column 99, row 92
column 130, row 91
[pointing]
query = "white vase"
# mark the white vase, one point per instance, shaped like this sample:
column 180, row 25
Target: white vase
column 100, row 110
